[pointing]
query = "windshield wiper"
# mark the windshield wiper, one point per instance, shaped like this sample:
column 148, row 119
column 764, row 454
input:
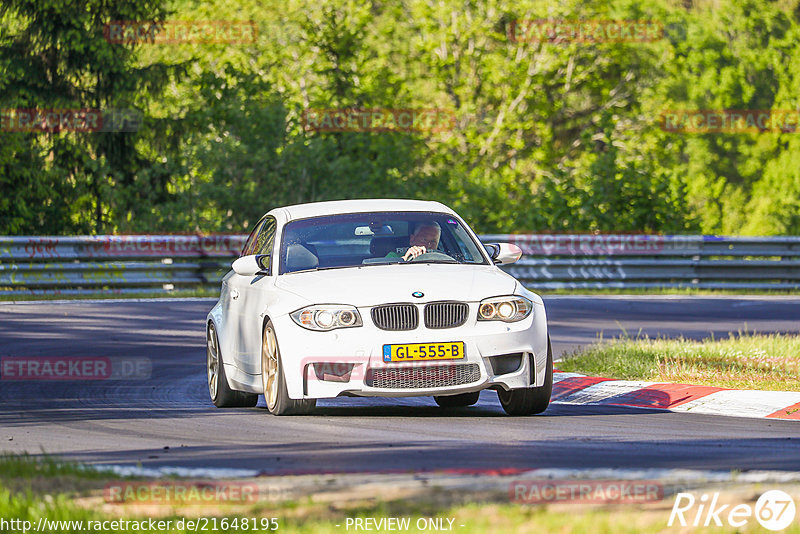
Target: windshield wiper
column 434, row 261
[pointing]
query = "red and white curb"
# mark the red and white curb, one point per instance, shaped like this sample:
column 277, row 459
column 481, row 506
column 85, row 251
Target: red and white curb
column 572, row 388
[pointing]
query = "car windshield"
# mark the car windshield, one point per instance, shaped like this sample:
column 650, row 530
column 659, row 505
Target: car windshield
column 375, row 238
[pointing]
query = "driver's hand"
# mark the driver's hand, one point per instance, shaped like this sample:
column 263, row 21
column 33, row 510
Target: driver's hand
column 413, row 252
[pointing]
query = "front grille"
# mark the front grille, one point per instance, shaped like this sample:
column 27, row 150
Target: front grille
column 424, row 377
column 396, row 317
column 445, row 314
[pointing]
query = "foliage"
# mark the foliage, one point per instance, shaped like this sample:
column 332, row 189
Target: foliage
column 546, row 136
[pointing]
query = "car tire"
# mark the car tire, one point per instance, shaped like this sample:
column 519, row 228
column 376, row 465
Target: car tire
column 221, row 394
column 457, row 401
column 533, row 400
column 274, row 380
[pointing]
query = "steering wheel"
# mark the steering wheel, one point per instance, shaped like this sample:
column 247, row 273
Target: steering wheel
column 434, row 256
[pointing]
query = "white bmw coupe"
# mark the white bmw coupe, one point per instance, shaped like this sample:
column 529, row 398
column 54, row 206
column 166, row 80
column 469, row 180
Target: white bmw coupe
column 390, row 298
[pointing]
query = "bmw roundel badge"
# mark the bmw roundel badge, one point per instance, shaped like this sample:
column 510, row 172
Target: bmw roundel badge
column 418, row 294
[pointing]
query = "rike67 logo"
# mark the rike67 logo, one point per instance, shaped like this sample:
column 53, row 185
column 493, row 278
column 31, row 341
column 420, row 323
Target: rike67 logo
column 774, row 510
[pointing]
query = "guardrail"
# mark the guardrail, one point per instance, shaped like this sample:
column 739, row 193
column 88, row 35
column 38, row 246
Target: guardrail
column 115, row 264
column 640, row 261
column 180, row 263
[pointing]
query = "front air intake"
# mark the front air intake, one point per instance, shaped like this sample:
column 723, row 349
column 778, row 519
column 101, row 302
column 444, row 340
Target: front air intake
column 428, row 376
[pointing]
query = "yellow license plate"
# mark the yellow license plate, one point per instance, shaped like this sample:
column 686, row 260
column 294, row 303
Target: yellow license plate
column 452, row 350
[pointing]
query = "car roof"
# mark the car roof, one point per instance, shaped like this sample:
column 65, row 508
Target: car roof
column 333, row 207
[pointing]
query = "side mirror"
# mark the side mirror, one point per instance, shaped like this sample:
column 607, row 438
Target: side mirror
column 504, row 253
column 250, row 265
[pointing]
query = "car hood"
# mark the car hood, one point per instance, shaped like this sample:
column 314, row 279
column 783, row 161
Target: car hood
column 379, row 284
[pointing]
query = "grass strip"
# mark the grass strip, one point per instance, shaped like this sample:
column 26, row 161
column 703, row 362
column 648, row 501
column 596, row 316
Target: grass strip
column 741, row 361
column 27, row 466
column 457, row 511
column 477, row 518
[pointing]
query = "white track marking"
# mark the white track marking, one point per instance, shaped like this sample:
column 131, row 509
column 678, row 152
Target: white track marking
column 558, row 377
column 186, row 472
column 445, row 478
column 597, row 393
column 741, row 403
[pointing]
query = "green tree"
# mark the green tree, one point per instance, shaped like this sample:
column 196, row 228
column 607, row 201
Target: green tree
column 54, row 55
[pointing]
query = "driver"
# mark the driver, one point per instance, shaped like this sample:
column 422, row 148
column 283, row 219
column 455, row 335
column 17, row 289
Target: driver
column 425, row 238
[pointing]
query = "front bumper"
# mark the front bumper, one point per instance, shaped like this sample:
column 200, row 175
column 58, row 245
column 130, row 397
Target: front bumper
column 349, row 361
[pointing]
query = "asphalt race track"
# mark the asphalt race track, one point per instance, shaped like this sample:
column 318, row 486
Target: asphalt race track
column 168, row 419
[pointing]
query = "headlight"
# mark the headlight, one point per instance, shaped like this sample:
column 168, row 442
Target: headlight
column 327, row 317
column 508, row 309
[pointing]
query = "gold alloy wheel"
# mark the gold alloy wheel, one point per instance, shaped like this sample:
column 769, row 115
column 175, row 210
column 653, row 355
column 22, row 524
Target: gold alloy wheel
column 212, row 361
column 269, row 367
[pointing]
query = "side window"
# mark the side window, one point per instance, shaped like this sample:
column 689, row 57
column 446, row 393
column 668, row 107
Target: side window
column 265, row 241
column 250, row 244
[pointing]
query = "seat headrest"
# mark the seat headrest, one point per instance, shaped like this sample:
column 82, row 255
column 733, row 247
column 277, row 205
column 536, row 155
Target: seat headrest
column 381, row 246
